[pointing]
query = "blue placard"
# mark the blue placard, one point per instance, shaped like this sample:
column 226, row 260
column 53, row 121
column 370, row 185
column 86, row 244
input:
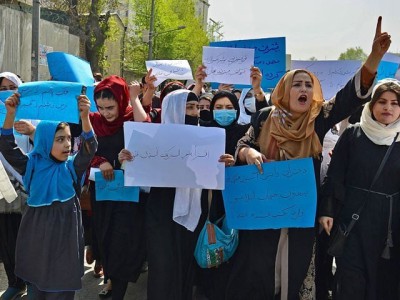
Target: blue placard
column 284, row 196
column 90, row 95
column 3, row 112
column 49, row 100
column 115, row 190
column 5, row 94
column 68, row 67
column 269, row 56
column 387, row 69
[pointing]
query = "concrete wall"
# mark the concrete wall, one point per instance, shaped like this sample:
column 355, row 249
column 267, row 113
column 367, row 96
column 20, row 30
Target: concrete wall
column 16, row 41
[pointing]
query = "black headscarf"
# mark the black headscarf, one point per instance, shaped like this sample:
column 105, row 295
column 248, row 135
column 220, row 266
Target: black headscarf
column 234, row 131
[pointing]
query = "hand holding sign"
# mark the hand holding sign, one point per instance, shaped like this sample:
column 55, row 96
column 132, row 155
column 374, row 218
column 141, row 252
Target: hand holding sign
column 169, row 69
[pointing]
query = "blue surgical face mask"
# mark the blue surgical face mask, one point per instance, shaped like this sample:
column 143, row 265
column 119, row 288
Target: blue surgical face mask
column 224, row 117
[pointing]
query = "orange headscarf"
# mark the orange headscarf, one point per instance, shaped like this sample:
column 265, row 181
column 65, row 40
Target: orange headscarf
column 285, row 136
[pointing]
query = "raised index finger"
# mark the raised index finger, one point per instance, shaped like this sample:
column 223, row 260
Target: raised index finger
column 378, row 30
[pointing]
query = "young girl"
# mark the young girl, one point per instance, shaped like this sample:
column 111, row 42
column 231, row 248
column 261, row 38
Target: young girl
column 172, row 236
column 118, row 225
column 369, row 267
column 49, row 251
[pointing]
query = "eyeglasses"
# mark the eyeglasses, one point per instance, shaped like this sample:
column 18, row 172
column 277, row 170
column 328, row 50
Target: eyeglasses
column 8, row 87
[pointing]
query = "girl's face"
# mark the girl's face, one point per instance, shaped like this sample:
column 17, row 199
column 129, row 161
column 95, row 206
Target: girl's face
column 62, row 144
column 192, row 108
column 301, row 93
column 386, row 109
column 7, row 84
column 223, row 103
column 204, row 104
column 108, row 108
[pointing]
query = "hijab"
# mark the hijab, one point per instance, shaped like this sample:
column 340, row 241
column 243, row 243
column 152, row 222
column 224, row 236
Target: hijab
column 12, row 77
column 47, row 180
column 119, row 89
column 284, row 136
column 187, row 204
column 378, row 133
column 244, row 118
column 233, row 131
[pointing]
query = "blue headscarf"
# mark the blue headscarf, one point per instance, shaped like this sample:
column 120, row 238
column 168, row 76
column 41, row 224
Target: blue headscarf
column 45, row 179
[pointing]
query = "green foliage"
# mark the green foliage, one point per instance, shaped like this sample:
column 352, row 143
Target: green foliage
column 90, row 19
column 167, row 43
column 353, row 54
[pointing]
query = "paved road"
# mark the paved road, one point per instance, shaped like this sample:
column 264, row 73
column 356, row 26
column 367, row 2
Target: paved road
column 92, row 286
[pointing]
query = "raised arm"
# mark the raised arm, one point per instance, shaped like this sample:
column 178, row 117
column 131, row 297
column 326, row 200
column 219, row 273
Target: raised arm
column 359, row 88
column 149, row 93
column 139, row 115
column 380, row 46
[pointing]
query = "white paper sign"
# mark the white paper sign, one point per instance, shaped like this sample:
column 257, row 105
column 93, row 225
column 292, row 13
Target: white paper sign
column 173, row 155
column 228, row 65
column 92, row 173
column 333, row 74
column 169, row 69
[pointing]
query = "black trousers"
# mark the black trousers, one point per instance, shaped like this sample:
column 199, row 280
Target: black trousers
column 9, row 226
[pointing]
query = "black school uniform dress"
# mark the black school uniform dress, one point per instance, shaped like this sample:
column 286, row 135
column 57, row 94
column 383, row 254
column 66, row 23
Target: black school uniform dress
column 119, row 225
column 214, row 280
column 362, row 273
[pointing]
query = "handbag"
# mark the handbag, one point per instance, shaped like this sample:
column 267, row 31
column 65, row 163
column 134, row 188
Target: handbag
column 216, row 243
column 341, row 231
column 84, row 198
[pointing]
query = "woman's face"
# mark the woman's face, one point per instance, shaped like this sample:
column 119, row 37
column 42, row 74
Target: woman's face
column 223, row 103
column 192, row 108
column 62, row 144
column 204, row 104
column 108, row 108
column 7, row 84
column 386, row 109
column 301, row 93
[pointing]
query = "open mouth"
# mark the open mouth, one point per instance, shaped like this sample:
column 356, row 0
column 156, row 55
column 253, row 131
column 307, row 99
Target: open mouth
column 303, row 99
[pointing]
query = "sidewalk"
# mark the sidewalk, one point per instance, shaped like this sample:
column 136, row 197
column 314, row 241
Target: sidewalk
column 92, row 286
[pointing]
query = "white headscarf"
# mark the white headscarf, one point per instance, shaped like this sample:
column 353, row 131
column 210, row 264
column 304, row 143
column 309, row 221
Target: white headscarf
column 244, row 118
column 7, row 190
column 187, row 203
column 12, row 77
column 378, row 133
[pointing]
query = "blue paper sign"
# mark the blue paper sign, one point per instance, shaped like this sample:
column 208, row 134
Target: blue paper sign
column 332, row 74
column 5, row 94
column 115, row 190
column 269, row 56
column 90, row 95
column 68, row 67
column 387, row 69
column 284, row 196
column 3, row 113
column 49, row 100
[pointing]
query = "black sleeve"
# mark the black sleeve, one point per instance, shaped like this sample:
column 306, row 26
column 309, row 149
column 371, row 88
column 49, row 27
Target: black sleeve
column 346, row 102
column 13, row 154
column 333, row 189
column 85, row 155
